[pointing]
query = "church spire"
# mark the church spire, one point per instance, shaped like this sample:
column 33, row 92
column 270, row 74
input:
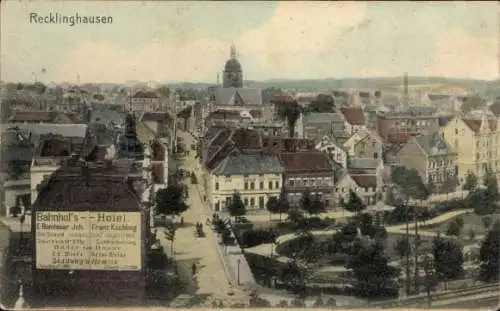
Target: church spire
column 233, row 51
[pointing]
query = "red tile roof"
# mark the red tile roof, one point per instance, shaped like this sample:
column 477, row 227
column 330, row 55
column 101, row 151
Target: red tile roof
column 145, row 94
column 306, row 162
column 282, row 98
column 475, row 124
column 495, row 108
column 353, row 115
column 98, row 97
column 365, row 181
column 32, row 116
column 155, row 116
column 398, row 138
column 44, row 116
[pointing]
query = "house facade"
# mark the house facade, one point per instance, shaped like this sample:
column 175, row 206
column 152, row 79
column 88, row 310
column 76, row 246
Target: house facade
column 144, row 101
column 364, row 185
column 431, row 156
column 364, row 144
column 334, row 150
column 308, row 171
column 255, row 176
column 476, row 141
column 354, row 119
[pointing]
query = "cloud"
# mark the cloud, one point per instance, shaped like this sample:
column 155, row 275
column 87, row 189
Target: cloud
column 460, row 54
column 297, row 31
column 371, row 72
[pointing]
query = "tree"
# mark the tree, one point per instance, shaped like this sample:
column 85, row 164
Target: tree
column 450, row 184
column 489, row 255
column 315, row 206
column 318, row 303
column 390, row 198
column 305, row 201
column 448, row 259
column 402, row 247
column 354, row 204
column 490, row 194
column 284, row 205
column 290, row 111
column 273, row 205
column 323, row 103
column 409, row 183
column 170, row 200
column 453, row 229
column 486, row 220
column 470, row 181
column 371, row 271
column 472, row 103
column 472, row 234
column 236, row 207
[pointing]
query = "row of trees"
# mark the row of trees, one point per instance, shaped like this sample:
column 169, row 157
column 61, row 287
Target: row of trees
column 483, row 198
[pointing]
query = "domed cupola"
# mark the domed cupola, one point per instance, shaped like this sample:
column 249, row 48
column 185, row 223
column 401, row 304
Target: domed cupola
column 233, row 73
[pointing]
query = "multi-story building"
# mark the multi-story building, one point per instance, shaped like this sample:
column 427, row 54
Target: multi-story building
column 254, row 175
column 364, row 144
column 308, row 171
column 144, row 101
column 354, row 119
column 476, row 141
column 365, row 186
column 397, row 127
column 431, row 156
column 333, row 149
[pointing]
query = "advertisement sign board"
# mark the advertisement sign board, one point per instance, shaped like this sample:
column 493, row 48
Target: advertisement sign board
column 88, row 240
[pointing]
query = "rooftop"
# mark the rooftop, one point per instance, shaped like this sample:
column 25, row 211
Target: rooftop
column 306, row 161
column 239, row 163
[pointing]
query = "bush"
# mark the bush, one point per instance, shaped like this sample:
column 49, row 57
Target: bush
column 453, row 229
column 456, row 204
column 256, row 237
column 298, row 303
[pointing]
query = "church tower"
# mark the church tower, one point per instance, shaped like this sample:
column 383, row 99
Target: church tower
column 233, row 74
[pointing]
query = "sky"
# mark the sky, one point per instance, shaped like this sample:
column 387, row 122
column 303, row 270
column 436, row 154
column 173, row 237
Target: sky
column 190, row 41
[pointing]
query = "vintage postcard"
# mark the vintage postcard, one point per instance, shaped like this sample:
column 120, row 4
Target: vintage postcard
column 273, row 154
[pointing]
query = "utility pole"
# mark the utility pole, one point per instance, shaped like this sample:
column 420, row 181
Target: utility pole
column 408, row 250
column 417, row 244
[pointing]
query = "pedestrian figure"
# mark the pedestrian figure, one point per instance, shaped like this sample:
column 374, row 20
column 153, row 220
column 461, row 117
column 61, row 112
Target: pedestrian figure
column 182, row 220
column 193, row 269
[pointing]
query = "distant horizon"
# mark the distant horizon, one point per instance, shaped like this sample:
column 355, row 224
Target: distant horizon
column 278, row 80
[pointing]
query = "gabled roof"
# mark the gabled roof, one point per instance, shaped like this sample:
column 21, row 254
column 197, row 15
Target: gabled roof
column 365, row 181
column 238, row 163
column 306, row 162
column 353, row 115
column 433, row 145
column 248, row 96
column 495, row 108
column 475, row 124
column 155, row 116
column 145, row 94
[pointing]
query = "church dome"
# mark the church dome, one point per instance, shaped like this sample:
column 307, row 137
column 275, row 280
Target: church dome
column 233, row 65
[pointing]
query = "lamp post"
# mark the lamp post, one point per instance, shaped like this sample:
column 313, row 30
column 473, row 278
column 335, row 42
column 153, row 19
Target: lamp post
column 238, row 274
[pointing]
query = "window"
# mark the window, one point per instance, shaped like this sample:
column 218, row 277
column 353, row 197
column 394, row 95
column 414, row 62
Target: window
column 261, row 185
column 216, row 186
column 246, row 185
column 291, row 182
column 228, row 201
column 246, row 201
column 277, row 184
column 217, row 206
column 252, row 185
column 456, row 131
column 252, row 202
column 271, row 185
column 375, row 155
column 261, row 203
